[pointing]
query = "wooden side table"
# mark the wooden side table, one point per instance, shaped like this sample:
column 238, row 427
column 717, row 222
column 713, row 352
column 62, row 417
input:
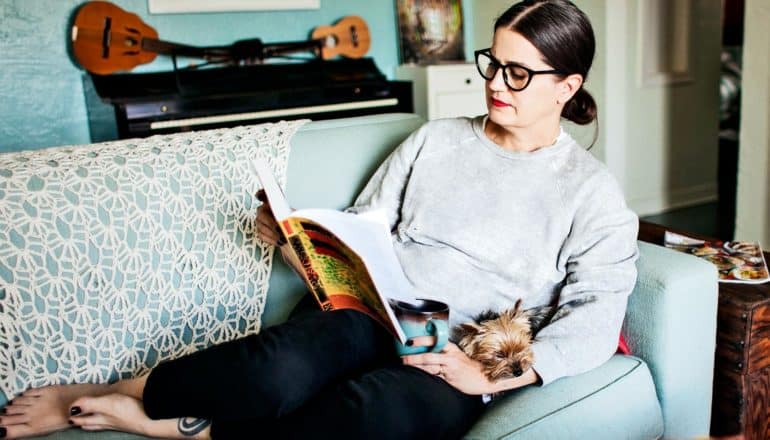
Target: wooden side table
column 741, row 399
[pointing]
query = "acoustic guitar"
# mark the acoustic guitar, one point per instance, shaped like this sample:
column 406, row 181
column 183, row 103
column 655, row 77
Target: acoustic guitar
column 107, row 39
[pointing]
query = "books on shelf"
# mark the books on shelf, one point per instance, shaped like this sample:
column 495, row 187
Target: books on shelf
column 736, row 261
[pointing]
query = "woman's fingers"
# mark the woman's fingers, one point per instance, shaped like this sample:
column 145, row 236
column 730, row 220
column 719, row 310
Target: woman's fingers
column 267, row 228
column 261, row 196
column 424, row 359
column 435, row 370
column 423, row 341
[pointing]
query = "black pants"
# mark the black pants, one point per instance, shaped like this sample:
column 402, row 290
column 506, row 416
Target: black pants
column 318, row 375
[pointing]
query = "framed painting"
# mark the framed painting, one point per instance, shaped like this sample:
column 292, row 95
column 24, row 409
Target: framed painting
column 430, row 31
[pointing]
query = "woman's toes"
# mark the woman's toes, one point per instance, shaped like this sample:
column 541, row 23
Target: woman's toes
column 12, row 410
column 24, row 401
column 113, row 411
column 7, row 420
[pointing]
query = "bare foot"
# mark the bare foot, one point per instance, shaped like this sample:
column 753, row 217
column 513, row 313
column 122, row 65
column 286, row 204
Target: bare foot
column 44, row 410
column 117, row 412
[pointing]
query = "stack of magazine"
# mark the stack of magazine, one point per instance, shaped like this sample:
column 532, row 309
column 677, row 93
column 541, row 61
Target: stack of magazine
column 736, row 261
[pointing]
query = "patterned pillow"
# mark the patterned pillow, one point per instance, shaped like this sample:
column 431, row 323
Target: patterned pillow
column 116, row 256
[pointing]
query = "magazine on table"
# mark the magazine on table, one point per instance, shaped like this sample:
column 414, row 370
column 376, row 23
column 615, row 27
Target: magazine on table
column 736, row 261
column 347, row 260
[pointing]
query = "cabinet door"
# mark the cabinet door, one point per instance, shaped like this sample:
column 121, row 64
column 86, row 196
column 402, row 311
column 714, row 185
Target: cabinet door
column 462, row 103
column 457, row 90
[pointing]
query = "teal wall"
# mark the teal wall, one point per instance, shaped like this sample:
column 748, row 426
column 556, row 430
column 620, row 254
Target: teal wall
column 41, row 92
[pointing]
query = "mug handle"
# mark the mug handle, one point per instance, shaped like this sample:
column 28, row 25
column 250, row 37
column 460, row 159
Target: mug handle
column 439, row 329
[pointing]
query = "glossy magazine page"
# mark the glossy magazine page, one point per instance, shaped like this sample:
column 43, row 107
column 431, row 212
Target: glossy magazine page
column 736, row 261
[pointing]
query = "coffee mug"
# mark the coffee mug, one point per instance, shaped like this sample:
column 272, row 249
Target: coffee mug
column 423, row 318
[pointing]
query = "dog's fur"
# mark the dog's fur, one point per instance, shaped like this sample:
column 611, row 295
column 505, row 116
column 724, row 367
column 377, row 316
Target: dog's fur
column 502, row 342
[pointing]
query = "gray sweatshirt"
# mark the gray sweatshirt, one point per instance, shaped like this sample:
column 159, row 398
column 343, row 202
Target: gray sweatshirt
column 478, row 227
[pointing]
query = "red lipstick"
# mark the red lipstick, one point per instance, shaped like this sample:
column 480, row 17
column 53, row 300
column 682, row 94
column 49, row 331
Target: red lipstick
column 497, row 103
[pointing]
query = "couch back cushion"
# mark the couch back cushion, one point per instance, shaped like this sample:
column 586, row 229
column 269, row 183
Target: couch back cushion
column 116, row 256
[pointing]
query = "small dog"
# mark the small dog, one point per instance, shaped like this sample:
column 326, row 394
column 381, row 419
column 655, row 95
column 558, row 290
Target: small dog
column 502, row 342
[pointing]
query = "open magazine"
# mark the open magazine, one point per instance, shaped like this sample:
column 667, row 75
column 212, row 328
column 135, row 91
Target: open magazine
column 736, row 261
column 347, row 260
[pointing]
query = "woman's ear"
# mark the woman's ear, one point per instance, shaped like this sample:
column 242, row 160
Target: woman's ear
column 569, row 86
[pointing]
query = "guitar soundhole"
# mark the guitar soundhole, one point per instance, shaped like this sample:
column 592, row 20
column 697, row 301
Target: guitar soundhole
column 106, row 37
column 354, row 35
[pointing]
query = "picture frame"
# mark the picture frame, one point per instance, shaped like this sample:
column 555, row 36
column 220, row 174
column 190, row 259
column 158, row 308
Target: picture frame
column 194, row 6
column 430, row 31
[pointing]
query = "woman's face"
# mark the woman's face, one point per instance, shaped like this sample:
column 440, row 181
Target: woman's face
column 537, row 103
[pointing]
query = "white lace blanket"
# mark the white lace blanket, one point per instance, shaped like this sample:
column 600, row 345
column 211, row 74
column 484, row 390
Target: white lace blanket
column 116, row 256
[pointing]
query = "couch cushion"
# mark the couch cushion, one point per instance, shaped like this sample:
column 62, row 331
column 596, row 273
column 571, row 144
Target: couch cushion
column 618, row 398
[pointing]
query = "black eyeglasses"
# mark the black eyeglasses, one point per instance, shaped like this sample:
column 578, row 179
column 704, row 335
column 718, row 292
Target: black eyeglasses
column 515, row 76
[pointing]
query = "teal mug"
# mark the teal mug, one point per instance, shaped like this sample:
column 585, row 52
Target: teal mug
column 423, row 318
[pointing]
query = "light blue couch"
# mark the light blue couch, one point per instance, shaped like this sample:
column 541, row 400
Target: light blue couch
column 662, row 391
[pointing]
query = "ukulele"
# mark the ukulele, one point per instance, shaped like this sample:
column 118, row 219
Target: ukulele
column 107, row 39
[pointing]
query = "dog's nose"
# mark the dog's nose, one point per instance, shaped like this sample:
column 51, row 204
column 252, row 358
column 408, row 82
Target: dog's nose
column 517, row 372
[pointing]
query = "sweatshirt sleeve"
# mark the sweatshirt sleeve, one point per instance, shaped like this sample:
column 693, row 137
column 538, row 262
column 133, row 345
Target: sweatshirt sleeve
column 386, row 187
column 599, row 255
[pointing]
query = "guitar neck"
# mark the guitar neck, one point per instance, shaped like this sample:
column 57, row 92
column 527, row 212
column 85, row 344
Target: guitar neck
column 169, row 48
column 240, row 50
column 276, row 49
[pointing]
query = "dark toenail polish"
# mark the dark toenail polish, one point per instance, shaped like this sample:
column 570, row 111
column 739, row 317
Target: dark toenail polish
column 70, row 422
column 2, row 432
column 2, row 411
column 75, row 411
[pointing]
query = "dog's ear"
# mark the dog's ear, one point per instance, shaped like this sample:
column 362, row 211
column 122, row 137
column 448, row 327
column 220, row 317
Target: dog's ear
column 465, row 329
column 517, row 306
column 486, row 315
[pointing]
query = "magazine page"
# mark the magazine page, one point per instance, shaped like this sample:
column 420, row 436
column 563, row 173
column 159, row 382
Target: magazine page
column 364, row 238
column 368, row 239
column 736, row 261
column 336, row 275
column 368, row 235
column 278, row 203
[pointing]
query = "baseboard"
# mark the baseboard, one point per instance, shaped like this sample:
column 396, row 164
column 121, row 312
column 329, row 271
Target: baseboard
column 674, row 199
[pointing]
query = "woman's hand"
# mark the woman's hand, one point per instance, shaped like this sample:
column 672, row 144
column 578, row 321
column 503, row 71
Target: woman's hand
column 460, row 371
column 267, row 227
column 452, row 365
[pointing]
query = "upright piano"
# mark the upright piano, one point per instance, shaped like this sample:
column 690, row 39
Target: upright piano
column 195, row 99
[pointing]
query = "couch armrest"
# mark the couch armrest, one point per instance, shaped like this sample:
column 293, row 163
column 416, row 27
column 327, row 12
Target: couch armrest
column 671, row 324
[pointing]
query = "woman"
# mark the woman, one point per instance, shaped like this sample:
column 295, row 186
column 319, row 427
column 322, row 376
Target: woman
column 484, row 211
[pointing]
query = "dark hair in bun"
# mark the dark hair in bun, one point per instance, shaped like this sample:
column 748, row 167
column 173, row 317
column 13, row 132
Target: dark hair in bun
column 563, row 34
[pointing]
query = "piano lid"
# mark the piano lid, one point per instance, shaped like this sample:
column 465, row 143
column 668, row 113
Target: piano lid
column 235, row 80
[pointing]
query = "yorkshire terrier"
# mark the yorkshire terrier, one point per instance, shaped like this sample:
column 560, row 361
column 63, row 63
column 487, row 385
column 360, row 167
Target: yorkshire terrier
column 502, row 342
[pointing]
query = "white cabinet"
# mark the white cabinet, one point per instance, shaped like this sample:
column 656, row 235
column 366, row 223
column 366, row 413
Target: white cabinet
column 445, row 90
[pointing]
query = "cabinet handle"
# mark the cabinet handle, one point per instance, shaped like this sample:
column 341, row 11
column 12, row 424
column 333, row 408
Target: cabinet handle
column 467, row 80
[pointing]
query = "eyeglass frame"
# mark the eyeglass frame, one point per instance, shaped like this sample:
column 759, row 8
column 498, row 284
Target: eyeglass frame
column 498, row 65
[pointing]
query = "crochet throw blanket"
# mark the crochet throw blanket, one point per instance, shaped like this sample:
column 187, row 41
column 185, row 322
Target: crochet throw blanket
column 117, row 256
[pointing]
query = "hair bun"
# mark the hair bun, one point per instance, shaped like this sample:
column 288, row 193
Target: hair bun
column 581, row 109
